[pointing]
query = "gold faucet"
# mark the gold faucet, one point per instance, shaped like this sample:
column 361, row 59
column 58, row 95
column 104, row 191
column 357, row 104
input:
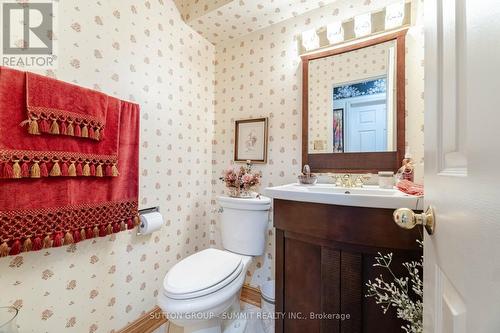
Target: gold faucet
column 348, row 180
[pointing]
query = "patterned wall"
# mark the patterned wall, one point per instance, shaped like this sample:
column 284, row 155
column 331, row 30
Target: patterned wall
column 259, row 75
column 142, row 51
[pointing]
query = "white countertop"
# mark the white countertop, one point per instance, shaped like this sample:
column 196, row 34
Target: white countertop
column 366, row 196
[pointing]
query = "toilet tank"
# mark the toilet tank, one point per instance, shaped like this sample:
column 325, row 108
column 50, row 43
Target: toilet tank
column 244, row 224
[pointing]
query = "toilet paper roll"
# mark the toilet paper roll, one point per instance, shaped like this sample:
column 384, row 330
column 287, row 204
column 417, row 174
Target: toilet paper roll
column 150, row 222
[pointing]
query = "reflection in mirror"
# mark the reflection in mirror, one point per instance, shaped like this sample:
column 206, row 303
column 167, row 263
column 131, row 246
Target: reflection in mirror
column 352, row 105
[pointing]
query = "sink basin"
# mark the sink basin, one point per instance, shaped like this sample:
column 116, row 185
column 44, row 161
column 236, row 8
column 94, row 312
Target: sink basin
column 367, row 196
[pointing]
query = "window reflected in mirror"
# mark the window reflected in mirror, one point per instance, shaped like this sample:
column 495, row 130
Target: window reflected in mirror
column 352, row 106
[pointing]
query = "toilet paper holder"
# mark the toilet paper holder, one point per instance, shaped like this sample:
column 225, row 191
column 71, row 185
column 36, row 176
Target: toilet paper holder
column 147, row 211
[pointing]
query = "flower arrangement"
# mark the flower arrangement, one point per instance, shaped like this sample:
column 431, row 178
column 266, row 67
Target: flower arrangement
column 241, row 180
column 404, row 293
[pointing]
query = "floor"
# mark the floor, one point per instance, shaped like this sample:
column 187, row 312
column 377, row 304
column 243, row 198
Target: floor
column 253, row 323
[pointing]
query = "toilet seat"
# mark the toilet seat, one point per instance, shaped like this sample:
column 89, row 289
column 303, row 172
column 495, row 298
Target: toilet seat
column 202, row 273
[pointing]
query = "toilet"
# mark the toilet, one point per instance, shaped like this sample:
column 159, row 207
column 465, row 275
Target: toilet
column 199, row 289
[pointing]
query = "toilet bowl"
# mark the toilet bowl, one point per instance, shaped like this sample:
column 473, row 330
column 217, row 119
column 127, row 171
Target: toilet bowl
column 200, row 288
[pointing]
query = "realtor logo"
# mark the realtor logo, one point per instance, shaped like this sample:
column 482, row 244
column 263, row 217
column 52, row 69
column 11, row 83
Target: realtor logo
column 28, row 34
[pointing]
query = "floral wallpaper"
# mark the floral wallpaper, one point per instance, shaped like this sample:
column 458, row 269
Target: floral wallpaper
column 141, row 51
column 259, row 75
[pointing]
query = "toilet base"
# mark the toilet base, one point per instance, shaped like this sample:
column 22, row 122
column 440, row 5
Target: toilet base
column 208, row 326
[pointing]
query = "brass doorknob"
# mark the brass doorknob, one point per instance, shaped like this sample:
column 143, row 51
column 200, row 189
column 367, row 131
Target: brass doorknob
column 408, row 219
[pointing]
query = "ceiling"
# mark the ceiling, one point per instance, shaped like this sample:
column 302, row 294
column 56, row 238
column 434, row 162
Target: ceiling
column 221, row 20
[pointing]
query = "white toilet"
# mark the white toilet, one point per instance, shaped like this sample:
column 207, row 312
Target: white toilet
column 201, row 287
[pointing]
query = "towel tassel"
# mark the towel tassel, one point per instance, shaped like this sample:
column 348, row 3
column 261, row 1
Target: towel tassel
column 64, row 169
column 16, row 248
column 72, row 169
column 37, row 244
column 47, row 242
column 89, row 233
column 98, row 170
column 79, row 169
column 54, row 128
column 86, row 169
column 43, row 126
column 91, row 133
column 7, row 170
column 64, row 128
column 58, row 240
column 25, row 170
column 4, row 249
column 97, row 134
column 96, row 231
column 77, row 236
column 16, row 170
column 43, row 169
column 102, row 231
column 35, row 170
column 70, row 130
column 56, row 169
column 109, row 229
column 78, row 130
column 85, row 131
column 83, row 236
column 33, row 127
column 27, row 245
column 114, row 171
column 68, row 238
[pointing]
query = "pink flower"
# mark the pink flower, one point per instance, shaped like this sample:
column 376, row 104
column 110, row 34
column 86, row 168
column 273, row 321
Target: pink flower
column 247, row 178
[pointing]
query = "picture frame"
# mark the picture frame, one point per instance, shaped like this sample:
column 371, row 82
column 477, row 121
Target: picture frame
column 251, row 139
column 338, row 130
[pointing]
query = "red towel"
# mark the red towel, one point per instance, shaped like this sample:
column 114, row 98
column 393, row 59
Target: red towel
column 411, row 188
column 51, row 212
column 23, row 155
column 61, row 108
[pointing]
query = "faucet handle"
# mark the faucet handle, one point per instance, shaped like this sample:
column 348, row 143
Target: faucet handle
column 338, row 180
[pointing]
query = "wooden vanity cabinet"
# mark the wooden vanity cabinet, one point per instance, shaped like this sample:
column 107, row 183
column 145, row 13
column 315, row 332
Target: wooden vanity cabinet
column 325, row 256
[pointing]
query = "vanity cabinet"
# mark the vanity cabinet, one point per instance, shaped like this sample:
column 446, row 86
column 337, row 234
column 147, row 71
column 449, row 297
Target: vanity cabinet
column 324, row 258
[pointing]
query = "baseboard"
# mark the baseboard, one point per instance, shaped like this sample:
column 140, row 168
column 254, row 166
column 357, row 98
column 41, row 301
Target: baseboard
column 147, row 323
column 154, row 318
column 250, row 295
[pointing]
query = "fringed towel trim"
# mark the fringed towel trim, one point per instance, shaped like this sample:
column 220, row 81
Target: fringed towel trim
column 33, row 230
column 58, row 122
column 17, row 164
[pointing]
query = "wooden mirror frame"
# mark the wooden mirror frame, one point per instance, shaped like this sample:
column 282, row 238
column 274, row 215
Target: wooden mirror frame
column 369, row 162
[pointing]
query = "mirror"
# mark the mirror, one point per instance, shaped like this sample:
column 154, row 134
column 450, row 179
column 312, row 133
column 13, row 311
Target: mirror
column 353, row 106
column 351, row 101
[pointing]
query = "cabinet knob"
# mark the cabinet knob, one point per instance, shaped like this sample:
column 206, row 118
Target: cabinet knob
column 407, row 219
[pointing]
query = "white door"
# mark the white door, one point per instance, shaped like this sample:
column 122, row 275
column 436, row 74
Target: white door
column 462, row 161
column 366, row 126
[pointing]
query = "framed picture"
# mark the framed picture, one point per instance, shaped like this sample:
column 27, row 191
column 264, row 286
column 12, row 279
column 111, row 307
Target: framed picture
column 251, row 140
column 338, row 130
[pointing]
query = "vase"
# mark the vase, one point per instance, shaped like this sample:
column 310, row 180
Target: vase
column 240, row 193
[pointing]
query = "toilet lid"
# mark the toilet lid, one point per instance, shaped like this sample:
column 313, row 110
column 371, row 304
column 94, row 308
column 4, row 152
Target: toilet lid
column 202, row 273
